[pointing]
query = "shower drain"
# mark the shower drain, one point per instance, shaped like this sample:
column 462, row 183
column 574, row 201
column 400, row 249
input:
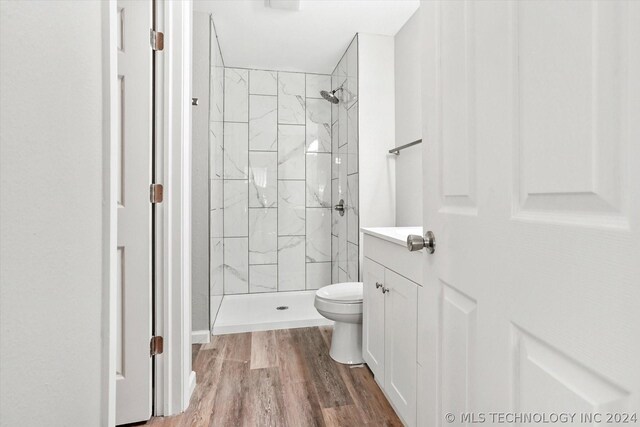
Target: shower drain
column 282, row 307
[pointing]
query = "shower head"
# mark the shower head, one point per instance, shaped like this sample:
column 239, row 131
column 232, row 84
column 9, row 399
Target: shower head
column 331, row 96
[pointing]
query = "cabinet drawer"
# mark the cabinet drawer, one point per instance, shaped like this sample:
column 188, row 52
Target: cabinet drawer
column 394, row 257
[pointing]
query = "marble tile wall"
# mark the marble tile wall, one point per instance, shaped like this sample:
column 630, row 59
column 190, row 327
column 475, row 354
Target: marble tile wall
column 275, row 169
column 345, row 234
column 216, row 171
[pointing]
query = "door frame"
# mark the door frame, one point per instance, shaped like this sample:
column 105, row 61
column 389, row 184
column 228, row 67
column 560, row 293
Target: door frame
column 174, row 380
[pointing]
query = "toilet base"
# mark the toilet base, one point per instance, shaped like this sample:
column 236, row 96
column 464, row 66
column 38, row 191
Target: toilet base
column 346, row 343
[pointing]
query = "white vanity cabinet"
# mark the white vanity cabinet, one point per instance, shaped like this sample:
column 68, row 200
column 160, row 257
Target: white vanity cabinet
column 373, row 320
column 390, row 319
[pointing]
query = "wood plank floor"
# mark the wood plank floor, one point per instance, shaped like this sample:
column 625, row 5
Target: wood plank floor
column 280, row 378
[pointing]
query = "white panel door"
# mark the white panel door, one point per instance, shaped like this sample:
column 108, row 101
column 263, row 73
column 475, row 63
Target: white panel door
column 400, row 342
column 531, row 172
column 133, row 384
column 373, row 319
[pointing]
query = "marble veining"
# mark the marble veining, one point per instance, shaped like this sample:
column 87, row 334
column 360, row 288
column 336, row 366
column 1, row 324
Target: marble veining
column 216, row 94
column 263, row 278
column 342, row 275
column 263, row 122
column 236, row 208
column 352, row 209
column 291, row 164
column 291, row 208
column 344, row 229
column 291, row 109
column 236, row 148
column 318, row 275
column 334, row 151
column 342, row 125
column 262, row 82
column 216, row 150
column 318, row 180
column 263, row 236
column 319, row 235
column 216, row 208
column 216, row 223
column 342, row 243
column 352, row 262
column 236, row 266
column 342, row 172
column 352, row 139
column 216, row 266
column 335, row 199
column 316, row 83
column 351, row 86
column 334, row 107
column 236, row 91
column 282, row 159
column 291, row 263
column 334, row 259
column 263, row 176
column 318, row 126
column 291, row 98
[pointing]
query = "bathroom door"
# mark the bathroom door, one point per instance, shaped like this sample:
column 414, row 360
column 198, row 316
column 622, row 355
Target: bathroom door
column 133, row 362
column 531, row 300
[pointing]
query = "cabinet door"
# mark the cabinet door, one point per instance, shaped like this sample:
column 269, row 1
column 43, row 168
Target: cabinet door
column 401, row 323
column 373, row 319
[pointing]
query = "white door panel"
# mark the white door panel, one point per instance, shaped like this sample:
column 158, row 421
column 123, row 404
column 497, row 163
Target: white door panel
column 531, row 164
column 373, row 319
column 133, row 383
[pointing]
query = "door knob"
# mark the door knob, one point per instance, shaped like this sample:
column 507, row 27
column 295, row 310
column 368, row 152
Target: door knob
column 415, row 242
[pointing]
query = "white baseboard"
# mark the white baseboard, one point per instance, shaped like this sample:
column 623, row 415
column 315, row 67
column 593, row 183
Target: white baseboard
column 201, row 337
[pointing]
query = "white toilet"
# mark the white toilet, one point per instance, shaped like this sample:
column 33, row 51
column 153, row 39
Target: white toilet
column 342, row 303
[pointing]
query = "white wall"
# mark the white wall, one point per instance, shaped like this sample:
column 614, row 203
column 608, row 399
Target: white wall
column 408, row 123
column 376, row 126
column 51, row 142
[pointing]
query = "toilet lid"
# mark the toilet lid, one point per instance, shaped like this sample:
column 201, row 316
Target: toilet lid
column 348, row 292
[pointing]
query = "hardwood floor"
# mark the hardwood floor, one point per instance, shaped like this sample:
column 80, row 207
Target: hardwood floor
column 280, row 378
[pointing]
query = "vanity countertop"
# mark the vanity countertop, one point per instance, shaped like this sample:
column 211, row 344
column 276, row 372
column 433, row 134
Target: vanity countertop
column 397, row 235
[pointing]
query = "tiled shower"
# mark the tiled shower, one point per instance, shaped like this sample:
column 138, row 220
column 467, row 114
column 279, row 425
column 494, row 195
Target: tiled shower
column 345, row 231
column 281, row 157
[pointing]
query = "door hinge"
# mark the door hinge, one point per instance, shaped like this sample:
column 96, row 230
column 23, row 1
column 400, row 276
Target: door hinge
column 157, row 40
column 157, row 193
column 157, row 345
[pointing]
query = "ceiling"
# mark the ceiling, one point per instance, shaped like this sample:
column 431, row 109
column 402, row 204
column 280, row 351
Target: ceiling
column 311, row 39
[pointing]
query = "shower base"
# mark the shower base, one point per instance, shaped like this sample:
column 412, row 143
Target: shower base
column 265, row 311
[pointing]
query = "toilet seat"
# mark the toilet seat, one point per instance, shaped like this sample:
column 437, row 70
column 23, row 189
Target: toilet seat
column 341, row 293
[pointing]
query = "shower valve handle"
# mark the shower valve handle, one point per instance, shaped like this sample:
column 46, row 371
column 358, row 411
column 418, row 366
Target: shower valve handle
column 340, row 207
